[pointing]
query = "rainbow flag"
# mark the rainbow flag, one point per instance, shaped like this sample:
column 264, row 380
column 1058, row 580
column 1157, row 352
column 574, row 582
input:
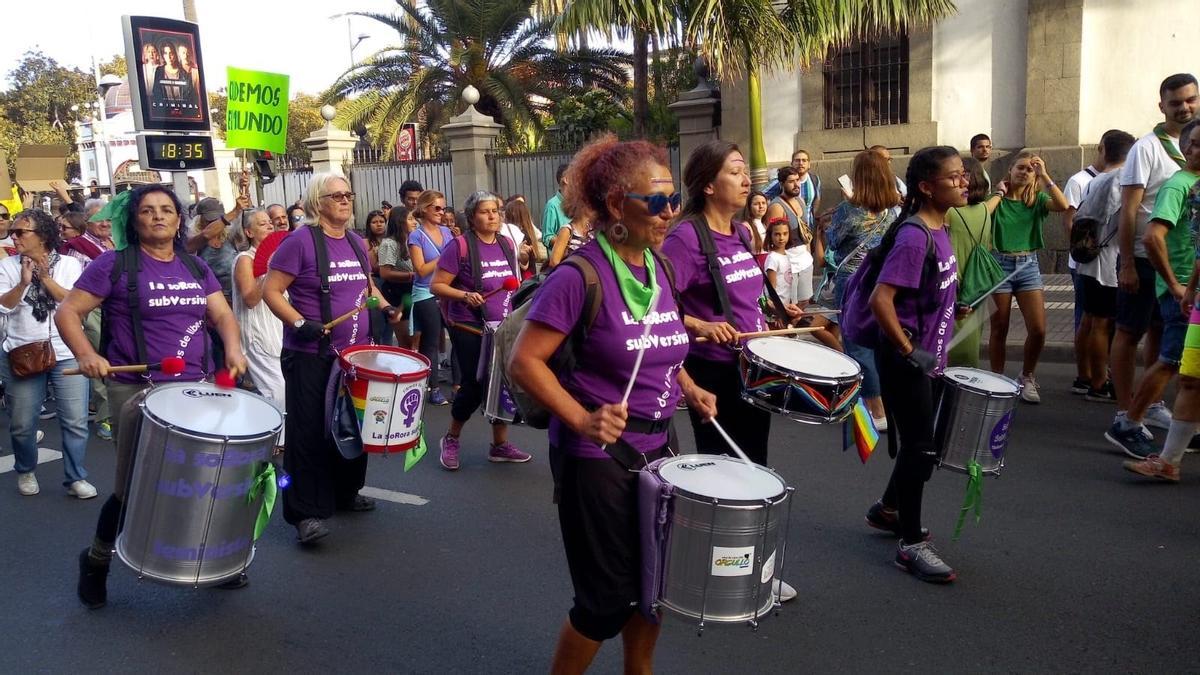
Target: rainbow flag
column 858, row 431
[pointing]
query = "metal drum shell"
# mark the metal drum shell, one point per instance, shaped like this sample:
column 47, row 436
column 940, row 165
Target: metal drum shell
column 755, row 368
column 188, row 521
column 970, row 421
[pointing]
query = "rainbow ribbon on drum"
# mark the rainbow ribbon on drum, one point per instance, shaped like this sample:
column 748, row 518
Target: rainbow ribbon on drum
column 973, row 498
column 264, row 484
column 859, row 432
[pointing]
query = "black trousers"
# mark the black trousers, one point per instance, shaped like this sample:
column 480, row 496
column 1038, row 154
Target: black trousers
column 427, row 319
column 467, row 347
column 322, row 480
column 748, row 426
column 909, row 397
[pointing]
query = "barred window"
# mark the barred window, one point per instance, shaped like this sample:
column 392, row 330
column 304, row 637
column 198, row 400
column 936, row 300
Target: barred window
column 866, row 83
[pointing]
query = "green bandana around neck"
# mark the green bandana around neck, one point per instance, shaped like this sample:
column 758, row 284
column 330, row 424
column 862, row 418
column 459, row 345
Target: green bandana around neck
column 637, row 295
column 1160, row 130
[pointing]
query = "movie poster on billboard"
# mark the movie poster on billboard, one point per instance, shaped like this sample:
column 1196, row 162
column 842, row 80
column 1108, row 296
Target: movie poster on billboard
column 166, row 74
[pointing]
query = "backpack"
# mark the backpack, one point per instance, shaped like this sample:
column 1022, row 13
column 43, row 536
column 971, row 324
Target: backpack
column 129, row 263
column 1094, row 214
column 564, row 360
column 862, row 283
column 468, row 247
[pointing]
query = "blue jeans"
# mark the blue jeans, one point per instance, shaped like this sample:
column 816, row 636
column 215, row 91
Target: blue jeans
column 24, row 398
column 870, row 372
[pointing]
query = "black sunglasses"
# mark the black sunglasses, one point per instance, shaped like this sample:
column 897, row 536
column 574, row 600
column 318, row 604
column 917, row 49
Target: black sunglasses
column 4, row 216
column 658, row 201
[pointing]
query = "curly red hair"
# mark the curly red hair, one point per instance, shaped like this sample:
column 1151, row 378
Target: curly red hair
column 603, row 167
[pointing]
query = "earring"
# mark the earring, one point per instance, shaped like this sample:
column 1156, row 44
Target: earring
column 618, row 233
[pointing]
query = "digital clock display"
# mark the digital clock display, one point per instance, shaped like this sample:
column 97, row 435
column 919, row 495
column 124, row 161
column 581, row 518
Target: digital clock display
column 175, row 153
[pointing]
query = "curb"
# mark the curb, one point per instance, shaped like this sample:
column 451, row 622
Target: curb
column 1053, row 352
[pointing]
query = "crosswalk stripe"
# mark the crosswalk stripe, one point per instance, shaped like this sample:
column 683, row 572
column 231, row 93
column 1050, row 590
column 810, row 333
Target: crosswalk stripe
column 393, row 496
column 8, row 462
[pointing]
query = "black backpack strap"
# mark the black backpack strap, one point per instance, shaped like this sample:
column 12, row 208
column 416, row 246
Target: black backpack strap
column 593, row 296
column 366, row 267
column 127, row 264
column 709, row 248
column 193, row 264
column 324, row 296
column 669, row 270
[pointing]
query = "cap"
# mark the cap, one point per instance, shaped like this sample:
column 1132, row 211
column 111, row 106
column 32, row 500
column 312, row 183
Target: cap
column 210, row 209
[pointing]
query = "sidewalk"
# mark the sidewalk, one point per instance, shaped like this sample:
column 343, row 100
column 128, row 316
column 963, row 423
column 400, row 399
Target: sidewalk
column 1060, row 324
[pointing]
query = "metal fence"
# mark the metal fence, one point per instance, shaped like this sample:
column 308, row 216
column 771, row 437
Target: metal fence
column 376, row 183
column 287, row 187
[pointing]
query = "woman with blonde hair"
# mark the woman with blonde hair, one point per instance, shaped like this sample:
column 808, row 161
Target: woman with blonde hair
column 425, row 246
column 1020, row 209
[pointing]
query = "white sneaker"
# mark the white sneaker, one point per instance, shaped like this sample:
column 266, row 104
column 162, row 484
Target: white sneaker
column 82, row 489
column 40, row 435
column 880, row 423
column 784, row 590
column 1029, row 389
column 27, row 484
column 1157, row 415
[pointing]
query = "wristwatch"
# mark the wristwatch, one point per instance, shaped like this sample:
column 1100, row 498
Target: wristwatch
column 298, row 323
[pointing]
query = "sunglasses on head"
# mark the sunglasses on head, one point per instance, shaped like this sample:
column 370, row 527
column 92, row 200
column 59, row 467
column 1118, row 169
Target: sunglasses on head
column 658, row 201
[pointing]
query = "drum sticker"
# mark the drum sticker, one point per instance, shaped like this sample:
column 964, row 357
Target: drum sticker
column 409, row 405
column 768, row 570
column 999, row 439
column 732, row 561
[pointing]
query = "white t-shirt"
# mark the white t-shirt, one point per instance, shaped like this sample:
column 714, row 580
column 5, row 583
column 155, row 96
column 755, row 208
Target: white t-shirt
column 1149, row 166
column 514, row 233
column 23, row 329
column 1074, row 193
column 757, row 224
column 784, row 277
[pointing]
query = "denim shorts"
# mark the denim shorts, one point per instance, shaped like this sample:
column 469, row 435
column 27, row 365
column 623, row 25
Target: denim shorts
column 1028, row 276
column 1175, row 326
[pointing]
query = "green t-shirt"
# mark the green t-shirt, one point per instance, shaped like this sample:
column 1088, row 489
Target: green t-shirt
column 1019, row 227
column 1172, row 209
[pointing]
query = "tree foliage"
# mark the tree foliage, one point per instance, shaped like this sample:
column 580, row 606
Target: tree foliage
column 36, row 109
column 304, row 117
column 443, row 46
column 114, row 66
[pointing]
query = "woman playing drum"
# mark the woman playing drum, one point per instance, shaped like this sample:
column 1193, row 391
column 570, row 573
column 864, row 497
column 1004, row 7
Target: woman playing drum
column 166, row 319
column 595, row 437
column 468, row 307
column 718, row 186
column 901, row 303
column 322, row 480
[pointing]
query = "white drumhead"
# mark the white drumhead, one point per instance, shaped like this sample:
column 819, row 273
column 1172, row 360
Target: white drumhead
column 983, row 380
column 721, row 477
column 202, row 408
column 386, row 362
column 803, row 357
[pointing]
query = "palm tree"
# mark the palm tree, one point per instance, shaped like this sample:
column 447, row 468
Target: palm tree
column 746, row 38
column 497, row 46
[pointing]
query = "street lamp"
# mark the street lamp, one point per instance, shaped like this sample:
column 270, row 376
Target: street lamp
column 354, row 42
column 103, row 85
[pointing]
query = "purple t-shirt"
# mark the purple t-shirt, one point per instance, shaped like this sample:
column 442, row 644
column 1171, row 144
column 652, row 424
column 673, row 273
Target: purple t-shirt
column 606, row 359
column 347, row 287
column 743, row 279
column 494, row 268
column 926, row 312
column 173, row 308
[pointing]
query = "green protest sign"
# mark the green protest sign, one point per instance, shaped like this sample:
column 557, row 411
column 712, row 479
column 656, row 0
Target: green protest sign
column 256, row 116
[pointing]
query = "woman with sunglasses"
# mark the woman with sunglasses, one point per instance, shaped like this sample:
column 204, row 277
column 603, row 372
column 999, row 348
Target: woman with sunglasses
column 32, row 284
column 901, row 303
column 6, row 242
column 295, row 216
column 425, row 246
column 595, row 437
column 718, row 185
column 72, row 224
column 322, row 480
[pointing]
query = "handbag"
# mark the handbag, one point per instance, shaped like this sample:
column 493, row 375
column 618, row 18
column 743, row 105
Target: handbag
column 981, row 273
column 32, row 359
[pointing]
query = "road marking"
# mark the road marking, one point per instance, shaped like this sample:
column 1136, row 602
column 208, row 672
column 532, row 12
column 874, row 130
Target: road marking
column 44, row 455
column 393, row 496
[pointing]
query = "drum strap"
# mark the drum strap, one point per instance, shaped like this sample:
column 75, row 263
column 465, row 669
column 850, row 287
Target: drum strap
column 322, row 254
column 709, row 248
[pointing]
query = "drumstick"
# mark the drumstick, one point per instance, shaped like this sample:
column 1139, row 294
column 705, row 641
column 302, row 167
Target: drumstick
column 172, row 365
column 371, row 303
column 510, row 284
column 637, row 361
column 768, row 333
column 978, row 316
column 736, row 449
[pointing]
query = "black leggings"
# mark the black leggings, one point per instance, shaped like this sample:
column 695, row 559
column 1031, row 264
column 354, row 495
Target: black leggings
column 748, row 426
column 427, row 318
column 467, row 347
column 908, row 396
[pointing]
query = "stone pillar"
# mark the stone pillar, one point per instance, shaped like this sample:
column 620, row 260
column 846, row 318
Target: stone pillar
column 471, row 135
column 331, row 147
column 699, row 114
column 1052, row 73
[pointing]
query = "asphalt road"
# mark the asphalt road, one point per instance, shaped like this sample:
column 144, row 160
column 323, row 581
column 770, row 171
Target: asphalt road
column 1076, row 566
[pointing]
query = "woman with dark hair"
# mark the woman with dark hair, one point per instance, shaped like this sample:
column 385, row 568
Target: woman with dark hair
column 901, row 303
column 179, row 295
column 857, row 226
column 396, row 268
column 596, row 437
column 375, row 234
column 425, row 246
column 721, row 305
column 72, row 224
column 32, row 283
column 755, row 216
column 469, row 303
column 295, row 216
column 518, row 220
column 970, row 229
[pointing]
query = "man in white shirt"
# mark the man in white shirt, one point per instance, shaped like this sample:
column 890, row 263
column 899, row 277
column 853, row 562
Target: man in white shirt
column 1153, row 159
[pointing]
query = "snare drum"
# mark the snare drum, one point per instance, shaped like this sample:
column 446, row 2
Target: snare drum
column 713, row 537
column 387, row 387
column 188, row 519
column 974, row 416
column 805, row 381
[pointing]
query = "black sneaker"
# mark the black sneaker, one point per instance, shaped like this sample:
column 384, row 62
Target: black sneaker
column 93, row 581
column 923, row 562
column 1131, row 441
column 1080, row 386
column 881, row 517
column 311, row 529
column 1105, row 394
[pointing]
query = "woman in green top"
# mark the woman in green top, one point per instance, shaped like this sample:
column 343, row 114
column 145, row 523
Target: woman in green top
column 1020, row 209
column 970, row 229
